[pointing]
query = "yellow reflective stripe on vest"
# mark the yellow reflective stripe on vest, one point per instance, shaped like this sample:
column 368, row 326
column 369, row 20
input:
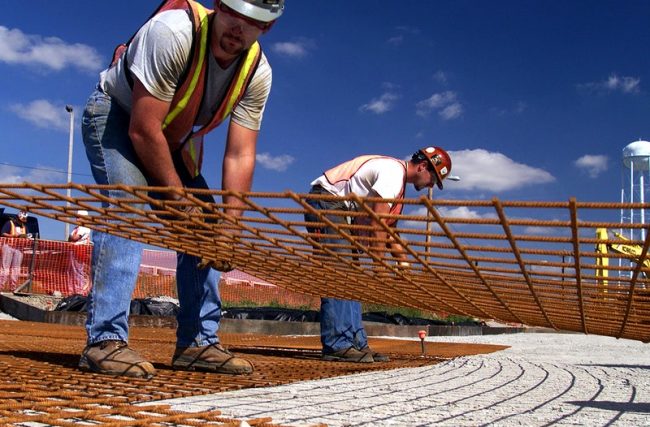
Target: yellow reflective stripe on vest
column 249, row 62
column 203, row 17
column 192, row 150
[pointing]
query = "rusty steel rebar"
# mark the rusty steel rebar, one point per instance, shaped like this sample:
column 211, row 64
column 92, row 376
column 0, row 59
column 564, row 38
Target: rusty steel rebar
column 527, row 262
column 40, row 381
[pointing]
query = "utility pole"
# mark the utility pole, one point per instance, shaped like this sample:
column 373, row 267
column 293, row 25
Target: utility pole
column 428, row 236
column 70, row 110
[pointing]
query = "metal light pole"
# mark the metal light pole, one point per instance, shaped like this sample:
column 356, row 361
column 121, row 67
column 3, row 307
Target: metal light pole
column 70, row 110
column 427, row 238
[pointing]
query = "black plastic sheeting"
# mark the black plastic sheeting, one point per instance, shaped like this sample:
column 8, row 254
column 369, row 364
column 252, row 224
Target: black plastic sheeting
column 270, row 313
column 289, row 315
column 153, row 307
column 72, row 303
column 145, row 306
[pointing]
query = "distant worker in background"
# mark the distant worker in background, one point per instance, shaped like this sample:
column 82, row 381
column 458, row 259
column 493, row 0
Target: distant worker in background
column 342, row 334
column 12, row 254
column 80, row 235
column 185, row 72
column 79, row 277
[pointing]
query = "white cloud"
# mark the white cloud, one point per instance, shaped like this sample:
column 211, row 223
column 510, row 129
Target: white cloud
column 380, row 105
column 462, row 212
column 276, row 163
column 295, row 49
column 437, row 100
column 18, row 175
column 408, row 29
column 44, row 114
column 482, row 170
column 396, row 41
column 445, row 103
column 52, row 53
column 592, row 164
column 614, row 83
column 544, row 231
column 517, row 109
column 452, row 111
column 440, row 76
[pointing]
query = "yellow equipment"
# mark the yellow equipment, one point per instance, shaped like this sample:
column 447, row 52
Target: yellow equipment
column 635, row 251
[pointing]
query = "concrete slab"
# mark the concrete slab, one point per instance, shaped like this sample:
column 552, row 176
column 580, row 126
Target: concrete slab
column 541, row 380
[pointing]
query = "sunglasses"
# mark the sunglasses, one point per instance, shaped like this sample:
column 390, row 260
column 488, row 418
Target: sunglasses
column 249, row 21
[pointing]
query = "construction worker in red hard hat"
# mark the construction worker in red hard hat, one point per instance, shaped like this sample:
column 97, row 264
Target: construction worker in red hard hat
column 342, row 334
column 187, row 70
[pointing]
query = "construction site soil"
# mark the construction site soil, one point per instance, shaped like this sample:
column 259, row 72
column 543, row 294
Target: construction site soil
column 40, row 382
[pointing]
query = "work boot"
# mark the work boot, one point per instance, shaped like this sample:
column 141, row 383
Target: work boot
column 114, row 357
column 349, row 354
column 377, row 357
column 213, row 358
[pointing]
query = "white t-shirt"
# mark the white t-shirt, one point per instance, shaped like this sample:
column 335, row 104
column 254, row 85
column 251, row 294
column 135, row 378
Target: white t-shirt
column 81, row 232
column 379, row 177
column 157, row 56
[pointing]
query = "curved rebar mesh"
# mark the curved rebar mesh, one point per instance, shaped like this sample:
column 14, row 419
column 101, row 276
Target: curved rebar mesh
column 515, row 261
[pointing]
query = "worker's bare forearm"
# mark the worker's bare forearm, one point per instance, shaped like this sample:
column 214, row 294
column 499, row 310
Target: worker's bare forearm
column 397, row 251
column 155, row 157
column 238, row 165
column 149, row 142
column 237, row 177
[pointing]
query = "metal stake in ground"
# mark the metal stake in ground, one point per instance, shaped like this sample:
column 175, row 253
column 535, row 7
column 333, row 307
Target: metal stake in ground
column 422, row 334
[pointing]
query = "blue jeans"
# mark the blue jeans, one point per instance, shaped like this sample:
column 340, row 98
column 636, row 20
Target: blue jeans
column 116, row 261
column 340, row 320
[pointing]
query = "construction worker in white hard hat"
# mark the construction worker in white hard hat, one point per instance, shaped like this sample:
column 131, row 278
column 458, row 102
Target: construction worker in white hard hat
column 342, row 334
column 187, row 70
column 80, row 235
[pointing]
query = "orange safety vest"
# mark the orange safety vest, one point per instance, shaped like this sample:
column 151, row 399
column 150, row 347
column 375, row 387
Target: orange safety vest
column 345, row 171
column 183, row 112
column 17, row 230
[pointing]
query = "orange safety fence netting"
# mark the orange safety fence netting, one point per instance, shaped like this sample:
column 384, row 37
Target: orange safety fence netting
column 47, row 266
column 56, row 267
column 528, row 262
column 157, row 277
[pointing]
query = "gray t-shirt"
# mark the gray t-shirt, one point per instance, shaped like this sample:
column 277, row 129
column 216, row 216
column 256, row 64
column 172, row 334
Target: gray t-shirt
column 157, row 56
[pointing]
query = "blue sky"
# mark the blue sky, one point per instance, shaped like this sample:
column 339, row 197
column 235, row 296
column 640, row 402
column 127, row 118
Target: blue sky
column 534, row 99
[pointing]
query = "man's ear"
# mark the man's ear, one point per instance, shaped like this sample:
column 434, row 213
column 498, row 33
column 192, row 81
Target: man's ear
column 268, row 27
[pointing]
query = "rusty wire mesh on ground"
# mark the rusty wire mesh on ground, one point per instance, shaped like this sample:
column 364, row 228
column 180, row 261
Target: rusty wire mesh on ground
column 41, row 385
column 528, row 262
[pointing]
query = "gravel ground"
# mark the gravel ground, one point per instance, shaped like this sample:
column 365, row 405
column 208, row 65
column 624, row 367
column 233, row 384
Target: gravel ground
column 543, row 379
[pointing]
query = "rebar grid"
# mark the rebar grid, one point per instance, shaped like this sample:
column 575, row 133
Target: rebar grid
column 515, row 261
column 40, row 382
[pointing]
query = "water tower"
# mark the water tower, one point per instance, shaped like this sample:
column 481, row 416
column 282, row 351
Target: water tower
column 636, row 184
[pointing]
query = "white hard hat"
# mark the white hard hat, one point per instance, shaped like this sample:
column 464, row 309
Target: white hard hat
column 260, row 10
column 82, row 212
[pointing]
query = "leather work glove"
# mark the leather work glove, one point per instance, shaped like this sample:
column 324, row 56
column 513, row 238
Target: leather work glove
column 189, row 210
column 219, row 265
column 192, row 211
column 403, row 265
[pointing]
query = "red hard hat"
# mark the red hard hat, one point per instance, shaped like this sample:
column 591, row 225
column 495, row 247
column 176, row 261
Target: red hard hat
column 439, row 160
